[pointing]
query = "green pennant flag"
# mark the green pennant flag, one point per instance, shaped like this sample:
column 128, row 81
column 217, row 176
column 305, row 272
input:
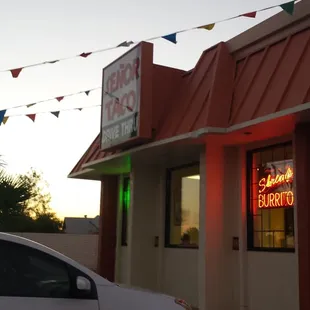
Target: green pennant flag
column 288, row 7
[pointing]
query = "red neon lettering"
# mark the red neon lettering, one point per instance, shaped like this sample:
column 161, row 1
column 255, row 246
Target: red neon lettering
column 272, row 200
column 270, row 182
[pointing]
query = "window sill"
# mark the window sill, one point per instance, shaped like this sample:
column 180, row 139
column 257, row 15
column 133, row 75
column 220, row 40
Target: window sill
column 274, row 250
column 184, row 247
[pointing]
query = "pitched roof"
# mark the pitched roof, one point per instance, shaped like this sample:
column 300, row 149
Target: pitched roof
column 259, row 72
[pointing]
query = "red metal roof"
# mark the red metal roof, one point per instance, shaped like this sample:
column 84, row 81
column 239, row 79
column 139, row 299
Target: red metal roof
column 221, row 91
column 185, row 101
column 273, row 79
column 201, row 101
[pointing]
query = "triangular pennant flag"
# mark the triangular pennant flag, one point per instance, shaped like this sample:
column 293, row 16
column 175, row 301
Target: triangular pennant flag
column 15, row 72
column 125, row 44
column 80, row 109
column 207, row 27
column 30, row 105
column 288, row 7
column 60, row 98
column 84, row 55
column 171, row 38
column 250, row 14
column 2, row 113
column 32, row 116
column 87, row 92
column 52, row 62
column 5, row 119
column 56, row 113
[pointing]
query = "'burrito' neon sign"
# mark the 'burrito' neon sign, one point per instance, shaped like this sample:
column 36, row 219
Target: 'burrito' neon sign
column 267, row 198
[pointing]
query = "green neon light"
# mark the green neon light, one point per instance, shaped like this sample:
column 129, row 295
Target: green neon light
column 126, row 194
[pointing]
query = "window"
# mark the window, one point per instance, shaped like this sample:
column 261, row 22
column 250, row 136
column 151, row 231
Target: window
column 125, row 202
column 27, row 272
column 271, row 198
column 182, row 212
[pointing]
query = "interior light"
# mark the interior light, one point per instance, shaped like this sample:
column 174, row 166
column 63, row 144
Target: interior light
column 195, row 177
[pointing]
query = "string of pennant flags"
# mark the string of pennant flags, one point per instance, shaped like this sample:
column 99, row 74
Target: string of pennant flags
column 4, row 117
column 58, row 98
column 288, row 7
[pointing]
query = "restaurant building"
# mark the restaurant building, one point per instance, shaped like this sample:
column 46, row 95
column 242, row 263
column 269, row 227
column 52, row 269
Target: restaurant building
column 204, row 173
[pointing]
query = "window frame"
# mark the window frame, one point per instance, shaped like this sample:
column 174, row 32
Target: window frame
column 250, row 217
column 169, row 172
column 72, row 272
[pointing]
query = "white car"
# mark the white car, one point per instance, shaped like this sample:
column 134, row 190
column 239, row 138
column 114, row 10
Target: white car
column 35, row 277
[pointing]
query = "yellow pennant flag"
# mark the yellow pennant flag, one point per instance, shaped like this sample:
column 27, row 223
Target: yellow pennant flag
column 207, row 27
column 5, row 119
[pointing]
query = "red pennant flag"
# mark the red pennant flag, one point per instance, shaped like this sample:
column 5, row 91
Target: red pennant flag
column 32, row 116
column 84, row 55
column 250, row 14
column 15, row 72
column 60, row 98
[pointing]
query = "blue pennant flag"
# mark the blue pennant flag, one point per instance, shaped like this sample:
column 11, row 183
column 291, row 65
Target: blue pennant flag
column 2, row 113
column 171, row 38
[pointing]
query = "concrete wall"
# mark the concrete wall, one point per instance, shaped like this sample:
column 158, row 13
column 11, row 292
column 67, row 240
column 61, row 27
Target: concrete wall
column 272, row 278
column 215, row 276
column 143, row 227
column 239, row 279
column 81, row 248
column 140, row 264
column 272, row 281
column 180, row 274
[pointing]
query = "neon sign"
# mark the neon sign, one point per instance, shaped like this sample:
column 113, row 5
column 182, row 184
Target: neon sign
column 282, row 198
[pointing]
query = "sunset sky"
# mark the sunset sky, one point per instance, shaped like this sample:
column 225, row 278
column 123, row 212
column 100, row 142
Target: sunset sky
column 33, row 31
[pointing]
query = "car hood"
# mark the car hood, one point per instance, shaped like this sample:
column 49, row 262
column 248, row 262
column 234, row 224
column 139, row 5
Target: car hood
column 119, row 297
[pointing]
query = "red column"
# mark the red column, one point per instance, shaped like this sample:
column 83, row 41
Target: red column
column 302, row 171
column 108, row 227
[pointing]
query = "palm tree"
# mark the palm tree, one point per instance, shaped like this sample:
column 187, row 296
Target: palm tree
column 14, row 194
column 2, row 162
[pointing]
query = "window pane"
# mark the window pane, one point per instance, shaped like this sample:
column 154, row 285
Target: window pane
column 35, row 274
column 272, row 197
column 184, row 206
column 257, row 239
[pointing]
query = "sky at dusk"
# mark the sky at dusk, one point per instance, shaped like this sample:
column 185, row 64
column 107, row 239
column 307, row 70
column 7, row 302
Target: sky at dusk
column 33, row 31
